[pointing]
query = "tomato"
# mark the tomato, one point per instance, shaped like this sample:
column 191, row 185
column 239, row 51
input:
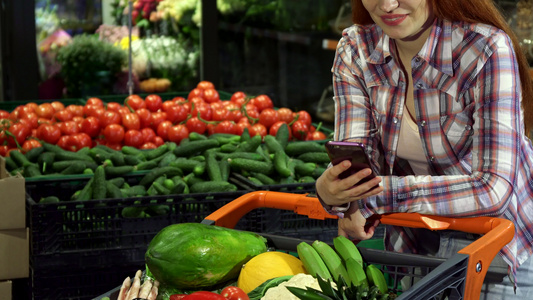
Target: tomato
column 167, row 104
column 226, row 127
column 131, row 121
column 303, row 116
column 114, row 106
column 204, row 84
column 258, row 129
column 158, row 141
column 145, row 117
column 153, row 102
column 218, row 104
column 268, row 117
column 4, row 149
column 110, row 117
column 157, row 118
column 179, row 100
column 300, row 129
column 49, row 133
column 251, row 111
column 133, row 138
column 18, row 133
column 76, row 110
column 94, row 110
column 262, row 102
column 31, row 120
column 235, row 113
column 90, row 126
column 285, row 114
column 82, row 140
column 273, row 130
column 195, row 125
column 177, row 113
column 63, row 115
column 211, row 95
column 234, row 293
column 148, row 134
column 31, row 106
column 162, row 129
column 204, row 295
column 94, row 101
column 194, row 101
column 177, row 296
column 205, row 111
column 114, row 146
column 220, row 114
column 196, row 92
column 45, row 110
column 68, row 127
column 148, row 145
column 315, row 136
column 238, row 97
column 30, row 144
column 135, row 102
column 4, row 114
column 177, row 133
column 241, row 125
column 114, row 133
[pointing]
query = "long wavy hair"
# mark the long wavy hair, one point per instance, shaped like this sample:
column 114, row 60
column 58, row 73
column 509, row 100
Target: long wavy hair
column 474, row 11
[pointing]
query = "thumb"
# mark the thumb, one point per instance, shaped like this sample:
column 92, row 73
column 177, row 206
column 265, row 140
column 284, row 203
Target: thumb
column 342, row 232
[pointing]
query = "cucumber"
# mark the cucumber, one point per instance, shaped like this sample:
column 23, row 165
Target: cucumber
column 250, row 145
column 76, row 167
column 304, row 168
column 157, row 172
column 161, row 190
column 132, row 160
column 146, row 165
column 272, row 144
column 34, row 153
column 213, row 169
column 117, row 159
column 212, row 187
column 243, row 164
column 255, row 180
column 195, row 147
column 189, row 165
column 245, row 136
column 157, row 152
column 100, row 155
column 225, row 169
column 283, row 135
column 10, row 163
column 45, row 161
column 316, row 157
column 280, row 163
column 49, row 199
column 195, row 136
column 248, row 155
column 300, row 147
column 263, row 178
column 117, row 181
column 31, row 170
column 68, row 155
column 229, row 147
column 225, row 138
column 87, row 191
column 133, row 191
column 99, row 183
column 180, row 187
column 20, row 159
column 112, row 171
column 167, row 159
column 129, row 150
column 112, row 191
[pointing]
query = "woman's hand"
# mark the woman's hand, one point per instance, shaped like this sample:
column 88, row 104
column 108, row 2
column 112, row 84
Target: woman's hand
column 130, row 291
column 335, row 191
column 355, row 226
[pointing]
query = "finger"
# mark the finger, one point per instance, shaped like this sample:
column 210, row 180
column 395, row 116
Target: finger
column 156, row 283
column 124, row 288
column 134, row 289
column 342, row 232
column 145, row 289
column 153, row 293
column 138, row 274
column 337, row 169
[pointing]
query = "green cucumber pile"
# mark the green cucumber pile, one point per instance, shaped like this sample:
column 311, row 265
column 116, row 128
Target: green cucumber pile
column 199, row 164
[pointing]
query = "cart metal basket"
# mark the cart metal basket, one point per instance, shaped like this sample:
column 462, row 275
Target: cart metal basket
column 458, row 277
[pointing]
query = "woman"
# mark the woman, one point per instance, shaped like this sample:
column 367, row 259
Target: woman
column 437, row 92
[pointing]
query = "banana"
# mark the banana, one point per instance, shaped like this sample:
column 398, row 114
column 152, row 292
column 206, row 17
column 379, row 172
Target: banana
column 356, row 273
column 347, row 249
column 376, row 277
column 312, row 261
column 332, row 260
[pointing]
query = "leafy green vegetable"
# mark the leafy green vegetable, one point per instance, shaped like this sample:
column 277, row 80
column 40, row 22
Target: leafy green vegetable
column 260, row 291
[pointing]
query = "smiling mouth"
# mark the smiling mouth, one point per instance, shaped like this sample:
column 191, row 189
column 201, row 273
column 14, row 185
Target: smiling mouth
column 393, row 20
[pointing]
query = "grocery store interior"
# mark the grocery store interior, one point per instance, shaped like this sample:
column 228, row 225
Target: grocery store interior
column 69, row 51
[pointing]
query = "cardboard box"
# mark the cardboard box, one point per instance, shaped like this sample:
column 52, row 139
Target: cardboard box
column 6, row 290
column 14, row 253
column 12, row 199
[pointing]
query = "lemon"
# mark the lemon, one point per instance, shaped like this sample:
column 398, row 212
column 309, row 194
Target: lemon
column 266, row 266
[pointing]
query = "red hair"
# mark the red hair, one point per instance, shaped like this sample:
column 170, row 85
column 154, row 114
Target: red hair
column 474, row 11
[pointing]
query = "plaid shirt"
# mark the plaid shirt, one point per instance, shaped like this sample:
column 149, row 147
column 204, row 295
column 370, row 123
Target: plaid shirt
column 467, row 100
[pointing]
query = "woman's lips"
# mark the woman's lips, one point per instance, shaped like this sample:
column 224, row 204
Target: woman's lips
column 393, row 20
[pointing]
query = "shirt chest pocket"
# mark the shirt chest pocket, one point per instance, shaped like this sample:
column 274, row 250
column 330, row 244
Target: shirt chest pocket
column 458, row 125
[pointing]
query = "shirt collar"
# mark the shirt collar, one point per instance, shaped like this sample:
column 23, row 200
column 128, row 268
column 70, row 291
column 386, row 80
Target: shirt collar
column 437, row 49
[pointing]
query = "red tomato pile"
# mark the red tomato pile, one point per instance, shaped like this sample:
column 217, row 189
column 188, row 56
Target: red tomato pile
column 228, row 293
column 147, row 123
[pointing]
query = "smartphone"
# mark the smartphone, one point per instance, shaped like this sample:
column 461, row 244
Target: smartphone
column 354, row 152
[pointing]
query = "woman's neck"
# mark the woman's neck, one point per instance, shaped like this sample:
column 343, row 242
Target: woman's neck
column 408, row 49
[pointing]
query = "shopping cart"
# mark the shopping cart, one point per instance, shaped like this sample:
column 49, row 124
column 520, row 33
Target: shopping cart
column 458, row 277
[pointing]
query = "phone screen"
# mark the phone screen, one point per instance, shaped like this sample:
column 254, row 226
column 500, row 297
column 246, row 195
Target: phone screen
column 355, row 152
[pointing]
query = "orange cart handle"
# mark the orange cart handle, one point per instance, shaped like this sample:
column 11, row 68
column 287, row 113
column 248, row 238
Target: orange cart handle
column 497, row 232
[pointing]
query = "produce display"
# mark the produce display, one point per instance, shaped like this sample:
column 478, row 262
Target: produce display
column 197, row 261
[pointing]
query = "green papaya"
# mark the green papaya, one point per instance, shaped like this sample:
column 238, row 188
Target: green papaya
column 194, row 255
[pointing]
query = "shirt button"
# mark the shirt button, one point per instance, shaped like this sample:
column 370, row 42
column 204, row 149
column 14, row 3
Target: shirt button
column 432, row 158
column 419, row 85
column 395, row 120
column 423, row 123
column 417, row 59
column 468, row 127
